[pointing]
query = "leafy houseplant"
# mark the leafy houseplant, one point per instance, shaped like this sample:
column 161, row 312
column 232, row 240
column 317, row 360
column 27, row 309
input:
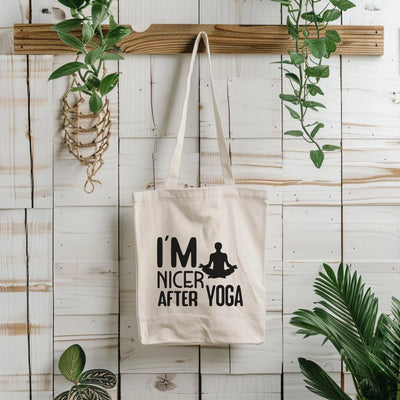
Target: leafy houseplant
column 369, row 346
column 93, row 45
column 307, row 22
column 86, row 116
column 88, row 385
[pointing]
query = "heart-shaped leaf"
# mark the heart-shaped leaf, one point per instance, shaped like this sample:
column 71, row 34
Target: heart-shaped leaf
column 320, row 71
column 72, row 362
column 317, row 47
column 95, row 105
column 314, row 89
column 343, row 4
column 101, row 377
column 317, row 157
column 296, row 58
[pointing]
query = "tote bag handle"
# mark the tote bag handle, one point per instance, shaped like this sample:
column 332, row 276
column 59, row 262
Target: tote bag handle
column 172, row 179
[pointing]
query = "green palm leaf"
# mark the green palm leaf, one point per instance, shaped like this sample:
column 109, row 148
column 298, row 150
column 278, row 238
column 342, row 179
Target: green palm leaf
column 347, row 317
column 319, row 382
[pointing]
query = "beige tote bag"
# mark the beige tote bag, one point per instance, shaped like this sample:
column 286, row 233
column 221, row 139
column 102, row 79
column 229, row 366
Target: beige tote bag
column 200, row 254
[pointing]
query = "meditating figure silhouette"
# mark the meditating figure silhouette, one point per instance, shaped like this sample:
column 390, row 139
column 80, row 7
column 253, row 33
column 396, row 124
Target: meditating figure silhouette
column 219, row 260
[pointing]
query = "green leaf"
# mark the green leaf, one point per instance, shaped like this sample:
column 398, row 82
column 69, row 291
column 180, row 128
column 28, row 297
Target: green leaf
column 72, row 362
column 330, row 147
column 314, row 89
column 317, row 47
column 116, row 35
column 317, row 157
column 333, row 36
column 72, row 3
column 67, row 25
column 93, row 82
column 67, row 69
column 62, row 396
column 331, row 15
column 93, row 56
column 320, row 71
column 312, row 104
column 95, row 103
column 292, row 29
column 99, row 14
column 108, row 83
column 319, row 382
column 290, row 98
column 88, row 392
column 101, row 377
column 294, row 133
column 113, row 24
column 296, row 58
column 330, row 47
column 87, row 33
column 343, row 4
column 111, row 56
column 81, row 88
column 293, row 77
column 72, row 41
column 316, row 129
column 311, row 17
column 294, row 114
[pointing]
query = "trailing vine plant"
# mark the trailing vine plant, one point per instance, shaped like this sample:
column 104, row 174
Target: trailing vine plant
column 307, row 22
column 93, row 45
column 88, row 385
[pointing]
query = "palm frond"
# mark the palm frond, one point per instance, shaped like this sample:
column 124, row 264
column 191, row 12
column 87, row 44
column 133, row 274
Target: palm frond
column 319, row 382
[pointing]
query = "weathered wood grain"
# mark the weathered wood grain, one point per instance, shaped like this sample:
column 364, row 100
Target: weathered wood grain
column 225, row 39
column 41, row 130
column 244, row 387
column 371, row 171
column 15, row 367
column 371, row 233
column 159, row 386
column 15, row 160
column 371, row 85
column 40, row 299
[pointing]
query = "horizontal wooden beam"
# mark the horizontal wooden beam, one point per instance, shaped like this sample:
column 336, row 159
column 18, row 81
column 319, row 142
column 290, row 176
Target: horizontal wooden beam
column 172, row 39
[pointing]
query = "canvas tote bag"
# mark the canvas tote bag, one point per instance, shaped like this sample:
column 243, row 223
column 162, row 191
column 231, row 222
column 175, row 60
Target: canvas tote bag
column 200, row 254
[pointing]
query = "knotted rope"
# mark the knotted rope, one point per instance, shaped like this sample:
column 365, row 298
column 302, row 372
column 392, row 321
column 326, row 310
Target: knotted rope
column 87, row 135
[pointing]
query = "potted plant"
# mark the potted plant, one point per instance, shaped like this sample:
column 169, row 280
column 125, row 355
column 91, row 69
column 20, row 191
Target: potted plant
column 368, row 344
column 86, row 113
column 91, row 384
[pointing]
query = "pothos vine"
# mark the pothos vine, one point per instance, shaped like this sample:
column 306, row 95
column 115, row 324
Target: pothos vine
column 307, row 22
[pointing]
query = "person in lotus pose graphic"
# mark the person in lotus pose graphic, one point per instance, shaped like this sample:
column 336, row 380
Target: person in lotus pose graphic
column 218, row 259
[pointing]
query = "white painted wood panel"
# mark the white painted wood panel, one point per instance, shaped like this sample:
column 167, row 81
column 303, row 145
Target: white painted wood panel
column 15, row 171
column 40, row 297
column 15, row 362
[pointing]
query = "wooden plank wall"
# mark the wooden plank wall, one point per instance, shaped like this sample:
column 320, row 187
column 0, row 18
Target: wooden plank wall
column 66, row 271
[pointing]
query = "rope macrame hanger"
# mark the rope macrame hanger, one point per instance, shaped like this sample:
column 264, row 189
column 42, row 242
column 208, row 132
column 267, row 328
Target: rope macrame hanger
column 87, row 135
